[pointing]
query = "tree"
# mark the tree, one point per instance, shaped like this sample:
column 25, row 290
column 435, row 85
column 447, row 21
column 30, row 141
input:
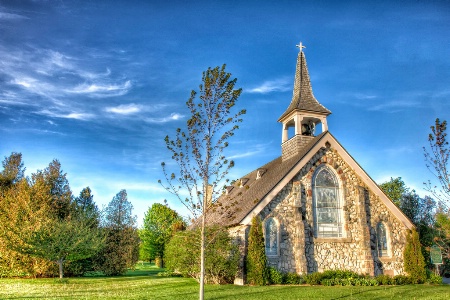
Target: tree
column 160, row 223
column 54, row 182
column 198, row 153
column 413, row 259
column 64, row 240
column 22, row 211
column 395, row 189
column 256, row 260
column 85, row 206
column 222, row 255
column 13, row 170
column 121, row 248
column 437, row 159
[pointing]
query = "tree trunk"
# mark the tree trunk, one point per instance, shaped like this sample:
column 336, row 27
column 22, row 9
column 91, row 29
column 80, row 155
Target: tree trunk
column 60, row 265
column 202, row 256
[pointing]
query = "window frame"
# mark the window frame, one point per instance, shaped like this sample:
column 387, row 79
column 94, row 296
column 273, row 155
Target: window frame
column 337, row 230
column 277, row 226
column 382, row 253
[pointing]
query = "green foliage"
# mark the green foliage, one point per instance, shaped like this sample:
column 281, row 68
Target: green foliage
column 275, row 276
column 256, row 261
column 293, row 278
column 414, row 262
column 221, row 255
column 59, row 241
column 160, row 223
column 402, row 280
column 13, row 171
column 395, row 189
column 384, row 279
column 434, row 279
column 121, row 247
column 317, row 278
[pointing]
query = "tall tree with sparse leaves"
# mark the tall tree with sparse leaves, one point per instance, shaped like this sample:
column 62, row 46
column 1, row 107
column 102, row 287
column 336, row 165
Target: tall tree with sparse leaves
column 437, row 159
column 199, row 152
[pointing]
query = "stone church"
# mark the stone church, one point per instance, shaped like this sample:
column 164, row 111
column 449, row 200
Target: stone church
column 319, row 209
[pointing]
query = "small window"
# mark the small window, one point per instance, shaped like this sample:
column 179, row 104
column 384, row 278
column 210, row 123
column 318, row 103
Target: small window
column 327, row 204
column 382, row 244
column 271, row 237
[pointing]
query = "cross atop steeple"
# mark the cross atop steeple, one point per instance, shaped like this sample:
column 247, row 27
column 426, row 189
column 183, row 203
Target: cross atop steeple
column 300, row 46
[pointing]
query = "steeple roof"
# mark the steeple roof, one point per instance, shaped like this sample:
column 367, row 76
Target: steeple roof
column 303, row 98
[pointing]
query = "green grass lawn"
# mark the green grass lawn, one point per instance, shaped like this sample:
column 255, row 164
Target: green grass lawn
column 144, row 284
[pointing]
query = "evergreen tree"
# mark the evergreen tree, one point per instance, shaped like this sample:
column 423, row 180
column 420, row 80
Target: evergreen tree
column 121, row 248
column 13, row 170
column 256, row 262
column 413, row 260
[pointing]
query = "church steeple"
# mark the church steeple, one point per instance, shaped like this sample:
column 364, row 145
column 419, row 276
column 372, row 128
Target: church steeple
column 304, row 112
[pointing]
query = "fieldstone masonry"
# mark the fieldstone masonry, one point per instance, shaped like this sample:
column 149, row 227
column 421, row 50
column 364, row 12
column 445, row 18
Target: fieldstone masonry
column 300, row 251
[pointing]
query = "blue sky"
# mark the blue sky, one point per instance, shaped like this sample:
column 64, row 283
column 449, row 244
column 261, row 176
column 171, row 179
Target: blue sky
column 98, row 84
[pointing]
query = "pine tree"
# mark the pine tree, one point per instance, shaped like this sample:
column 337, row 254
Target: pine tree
column 256, row 263
column 413, row 259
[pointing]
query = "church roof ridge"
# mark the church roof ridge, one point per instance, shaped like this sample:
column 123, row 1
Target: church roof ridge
column 303, row 97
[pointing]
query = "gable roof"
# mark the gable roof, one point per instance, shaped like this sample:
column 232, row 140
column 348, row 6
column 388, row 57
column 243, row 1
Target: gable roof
column 242, row 203
column 303, row 97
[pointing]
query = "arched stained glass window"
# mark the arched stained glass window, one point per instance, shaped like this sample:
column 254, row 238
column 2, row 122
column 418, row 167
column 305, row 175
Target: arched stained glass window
column 271, row 238
column 327, row 204
column 382, row 243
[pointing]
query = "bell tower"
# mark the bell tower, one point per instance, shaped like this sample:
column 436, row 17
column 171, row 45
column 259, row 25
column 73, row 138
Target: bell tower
column 304, row 112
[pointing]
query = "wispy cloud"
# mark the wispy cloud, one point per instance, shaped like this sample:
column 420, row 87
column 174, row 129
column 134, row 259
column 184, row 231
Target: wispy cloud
column 71, row 115
column 9, row 16
column 394, row 106
column 278, row 85
column 102, row 90
column 125, row 109
column 172, row 117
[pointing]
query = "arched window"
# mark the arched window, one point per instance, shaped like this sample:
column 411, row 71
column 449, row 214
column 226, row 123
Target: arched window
column 382, row 243
column 327, row 204
column 271, row 238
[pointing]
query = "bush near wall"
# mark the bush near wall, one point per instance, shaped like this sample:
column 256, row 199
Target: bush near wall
column 182, row 255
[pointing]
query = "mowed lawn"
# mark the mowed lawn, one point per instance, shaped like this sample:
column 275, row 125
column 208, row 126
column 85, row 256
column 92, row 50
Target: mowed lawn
column 144, row 284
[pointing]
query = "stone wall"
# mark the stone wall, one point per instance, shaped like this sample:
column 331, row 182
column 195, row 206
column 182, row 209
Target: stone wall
column 302, row 252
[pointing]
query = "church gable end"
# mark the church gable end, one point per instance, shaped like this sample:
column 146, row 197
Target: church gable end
column 320, row 210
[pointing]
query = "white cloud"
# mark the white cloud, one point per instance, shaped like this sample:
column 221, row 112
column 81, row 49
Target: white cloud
column 125, row 109
column 277, row 85
column 395, row 106
column 172, row 117
column 72, row 115
column 105, row 90
column 8, row 16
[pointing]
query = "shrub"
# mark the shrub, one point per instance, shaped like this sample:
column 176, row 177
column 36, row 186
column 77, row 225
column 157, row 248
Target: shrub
column 384, row 279
column 275, row 276
column 294, row 278
column 221, row 255
column 401, row 280
column 256, row 261
column 314, row 278
column 413, row 258
column 434, row 279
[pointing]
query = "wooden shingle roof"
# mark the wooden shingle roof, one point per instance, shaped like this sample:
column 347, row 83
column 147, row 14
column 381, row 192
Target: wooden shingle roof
column 232, row 207
column 303, row 98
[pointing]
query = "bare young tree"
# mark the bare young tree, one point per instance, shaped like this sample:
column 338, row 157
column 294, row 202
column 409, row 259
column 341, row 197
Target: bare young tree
column 199, row 152
column 437, row 162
